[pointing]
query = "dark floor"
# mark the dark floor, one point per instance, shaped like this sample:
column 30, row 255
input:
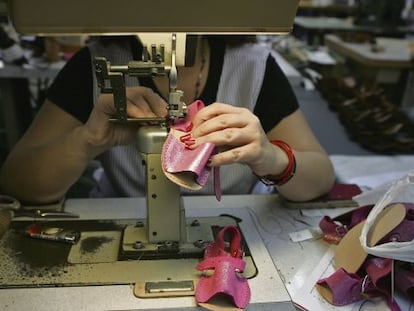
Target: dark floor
column 326, row 125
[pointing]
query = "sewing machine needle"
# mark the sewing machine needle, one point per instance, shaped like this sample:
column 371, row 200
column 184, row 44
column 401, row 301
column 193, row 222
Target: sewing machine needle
column 173, row 70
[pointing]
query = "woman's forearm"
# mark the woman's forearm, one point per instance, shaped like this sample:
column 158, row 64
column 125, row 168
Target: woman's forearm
column 43, row 174
column 314, row 176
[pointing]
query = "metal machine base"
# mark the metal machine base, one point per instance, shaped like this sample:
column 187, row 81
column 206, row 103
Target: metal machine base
column 157, row 277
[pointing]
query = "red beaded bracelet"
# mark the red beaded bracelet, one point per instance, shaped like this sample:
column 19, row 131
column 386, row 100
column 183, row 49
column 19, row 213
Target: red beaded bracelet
column 288, row 173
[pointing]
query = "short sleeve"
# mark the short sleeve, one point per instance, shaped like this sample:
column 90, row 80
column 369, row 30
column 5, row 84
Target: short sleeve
column 276, row 99
column 72, row 89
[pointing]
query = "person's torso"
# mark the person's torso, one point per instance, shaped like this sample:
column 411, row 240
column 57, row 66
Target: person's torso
column 240, row 83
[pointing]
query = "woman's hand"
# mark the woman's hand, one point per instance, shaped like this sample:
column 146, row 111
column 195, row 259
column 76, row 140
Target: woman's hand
column 238, row 134
column 142, row 102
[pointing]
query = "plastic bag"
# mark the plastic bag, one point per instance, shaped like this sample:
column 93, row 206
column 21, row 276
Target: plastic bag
column 401, row 191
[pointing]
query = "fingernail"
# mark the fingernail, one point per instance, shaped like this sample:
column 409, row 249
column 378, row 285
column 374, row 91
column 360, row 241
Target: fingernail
column 189, row 127
column 189, row 142
column 185, row 137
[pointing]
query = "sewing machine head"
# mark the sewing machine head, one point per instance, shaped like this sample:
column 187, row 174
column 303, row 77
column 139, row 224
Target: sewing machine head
column 162, row 27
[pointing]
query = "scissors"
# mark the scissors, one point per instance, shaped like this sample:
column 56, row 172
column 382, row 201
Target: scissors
column 8, row 203
column 7, row 207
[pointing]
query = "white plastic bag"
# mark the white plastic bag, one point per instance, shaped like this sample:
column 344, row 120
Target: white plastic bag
column 402, row 191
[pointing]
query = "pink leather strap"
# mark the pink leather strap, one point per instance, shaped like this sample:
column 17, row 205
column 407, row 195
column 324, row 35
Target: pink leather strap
column 217, row 248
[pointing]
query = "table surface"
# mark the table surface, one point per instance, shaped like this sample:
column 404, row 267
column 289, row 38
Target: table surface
column 329, row 24
column 323, row 23
column 300, row 264
column 392, row 52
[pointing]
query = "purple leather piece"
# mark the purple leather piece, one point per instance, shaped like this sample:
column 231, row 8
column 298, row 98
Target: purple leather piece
column 345, row 287
column 334, row 229
column 176, row 158
column 404, row 232
column 404, row 279
column 227, row 264
column 225, row 280
column 378, row 270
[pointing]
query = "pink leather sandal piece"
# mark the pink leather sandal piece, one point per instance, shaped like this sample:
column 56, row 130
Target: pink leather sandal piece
column 227, row 267
column 341, row 288
column 185, row 166
column 358, row 274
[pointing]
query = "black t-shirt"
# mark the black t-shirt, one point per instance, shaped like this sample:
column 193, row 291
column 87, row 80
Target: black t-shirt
column 72, row 89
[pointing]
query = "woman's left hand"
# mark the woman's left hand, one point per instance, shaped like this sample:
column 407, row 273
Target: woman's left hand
column 237, row 133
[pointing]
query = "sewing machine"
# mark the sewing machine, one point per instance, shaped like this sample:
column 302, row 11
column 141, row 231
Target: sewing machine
column 165, row 232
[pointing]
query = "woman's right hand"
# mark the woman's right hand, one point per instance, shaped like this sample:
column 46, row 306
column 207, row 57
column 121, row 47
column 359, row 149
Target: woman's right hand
column 102, row 134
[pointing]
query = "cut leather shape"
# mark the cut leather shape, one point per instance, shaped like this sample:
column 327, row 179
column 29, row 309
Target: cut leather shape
column 404, row 279
column 185, row 166
column 349, row 253
column 399, row 191
column 379, row 272
column 404, row 232
column 375, row 272
column 341, row 288
column 334, row 229
column 226, row 268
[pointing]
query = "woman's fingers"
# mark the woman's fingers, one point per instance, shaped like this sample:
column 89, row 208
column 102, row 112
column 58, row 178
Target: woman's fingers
column 237, row 133
column 141, row 103
column 230, row 137
column 217, row 117
column 218, row 124
column 144, row 102
column 234, row 127
column 245, row 154
column 214, row 110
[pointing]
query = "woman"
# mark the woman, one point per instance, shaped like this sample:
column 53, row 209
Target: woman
column 250, row 104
